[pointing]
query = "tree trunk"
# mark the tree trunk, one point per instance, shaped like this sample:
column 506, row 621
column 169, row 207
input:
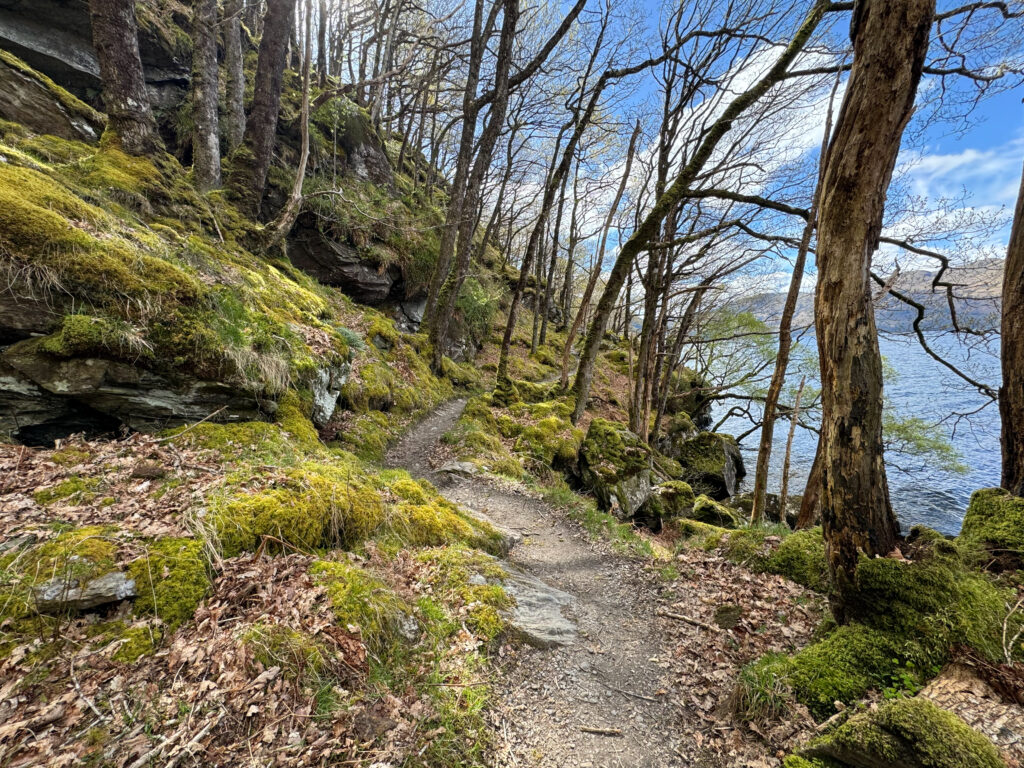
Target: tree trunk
column 810, row 504
column 249, row 174
column 321, row 45
column 794, row 419
column 890, row 41
column 1011, row 394
column 206, row 135
column 234, row 85
column 449, row 292
column 116, row 39
column 666, row 203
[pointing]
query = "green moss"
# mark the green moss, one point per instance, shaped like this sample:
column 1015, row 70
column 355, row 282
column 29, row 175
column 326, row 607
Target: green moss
column 912, row 615
column 363, row 601
column 801, row 558
column 907, row 731
column 677, row 498
column 612, row 452
column 80, row 554
column 707, row 510
column 71, row 456
column 82, row 336
column 137, row 642
column 171, row 579
column 296, row 653
column 73, row 490
column 473, row 581
column 993, row 529
column 462, row 375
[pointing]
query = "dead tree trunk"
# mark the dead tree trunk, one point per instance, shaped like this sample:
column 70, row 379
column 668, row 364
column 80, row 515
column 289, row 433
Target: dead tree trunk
column 116, row 39
column 890, row 40
column 206, row 135
column 1011, row 394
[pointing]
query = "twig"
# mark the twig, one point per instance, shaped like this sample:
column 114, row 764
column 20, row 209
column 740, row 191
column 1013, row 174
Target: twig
column 689, row 620
column 190, row 427
column 82, row 696
column 629, row 693
column 194, row 741
column 602, row 731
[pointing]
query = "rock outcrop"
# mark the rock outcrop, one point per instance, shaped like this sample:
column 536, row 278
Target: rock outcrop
column 712, row 464
column 61, row 596
column 615, row 464
column 35, row 101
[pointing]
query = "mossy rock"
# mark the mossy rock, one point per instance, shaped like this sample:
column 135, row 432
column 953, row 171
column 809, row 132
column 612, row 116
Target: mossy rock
column 707, row 510
column 993, row 530
column 800, row 557
column 615, row 464
column 677, row 497
column 362, row 601
column 905, row 733
column 712, row 464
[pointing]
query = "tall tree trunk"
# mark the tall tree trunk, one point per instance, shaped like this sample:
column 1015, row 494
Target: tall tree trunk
column 810, row 504
column 666, row 203
column 249, row 174
column 890, row 40
column 321, row 45
column 115, row 36
column 449, row 293
column 1011, row 394
column 206, row 135
column 234, row 84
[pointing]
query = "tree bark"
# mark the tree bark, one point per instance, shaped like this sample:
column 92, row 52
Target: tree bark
column 234, row 85
column 890, row 40
column 794, row 419
column 1011, row 394
column 249, row 175
column 206, row 135
column 116, row 39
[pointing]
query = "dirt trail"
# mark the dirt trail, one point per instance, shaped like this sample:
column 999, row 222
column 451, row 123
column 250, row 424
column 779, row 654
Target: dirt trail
column 614, row 677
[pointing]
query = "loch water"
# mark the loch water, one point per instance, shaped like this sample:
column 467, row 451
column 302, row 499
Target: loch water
column 923, row 492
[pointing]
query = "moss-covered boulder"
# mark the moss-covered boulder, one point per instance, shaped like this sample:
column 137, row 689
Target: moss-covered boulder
column 616, row 465
column 678, row 430
column 993, row 530
column 712, row 464
column 903, row 733
column 707, row 510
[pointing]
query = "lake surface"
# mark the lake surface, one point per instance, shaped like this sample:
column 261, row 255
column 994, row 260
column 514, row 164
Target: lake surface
column 922, row 492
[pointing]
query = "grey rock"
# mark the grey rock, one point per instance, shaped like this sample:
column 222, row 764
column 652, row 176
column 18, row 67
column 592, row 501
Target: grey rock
column 615, row 464
column 460, row 468
column 326, row 384
column 538, row 616
column 23, row 313
column 409, row 315
column 131, row 395
column 27, row 98
column 509, row 538
column 712, row 464
column 55, row 37
column 60, row 595
column 340, row 265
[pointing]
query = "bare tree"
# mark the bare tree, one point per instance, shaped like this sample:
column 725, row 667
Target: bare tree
column 206, row 135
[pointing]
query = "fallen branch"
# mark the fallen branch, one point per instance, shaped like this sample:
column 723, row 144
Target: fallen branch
column 689, row 620
column 602, row 731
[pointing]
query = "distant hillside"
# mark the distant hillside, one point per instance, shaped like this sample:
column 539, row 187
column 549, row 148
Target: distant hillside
column 976, row 287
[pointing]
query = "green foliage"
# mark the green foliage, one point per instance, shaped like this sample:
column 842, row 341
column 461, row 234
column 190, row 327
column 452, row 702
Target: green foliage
column 472, row 580
column 925, row 442
column 477, row 306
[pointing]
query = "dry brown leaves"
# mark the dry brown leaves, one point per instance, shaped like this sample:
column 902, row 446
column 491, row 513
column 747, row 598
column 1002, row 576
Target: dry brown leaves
column 775, row 615
column 202, row 693
column 143, row 484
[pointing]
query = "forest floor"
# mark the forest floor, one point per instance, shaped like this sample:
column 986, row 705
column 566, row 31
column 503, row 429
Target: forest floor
column 647, row 680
